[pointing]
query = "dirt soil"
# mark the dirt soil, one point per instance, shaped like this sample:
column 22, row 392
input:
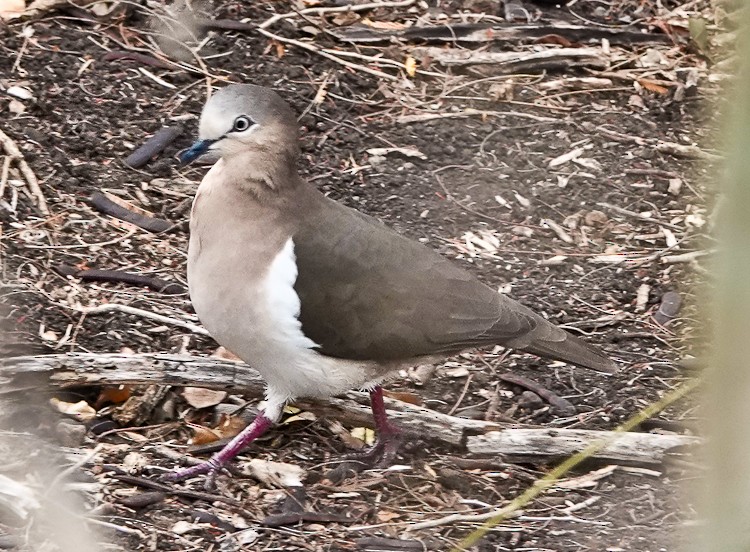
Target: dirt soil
column 480, row 192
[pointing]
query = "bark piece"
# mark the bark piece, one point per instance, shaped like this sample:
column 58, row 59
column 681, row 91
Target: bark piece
column 20, row 374
column 514, row 62
column 523, row 445
column 480, row 32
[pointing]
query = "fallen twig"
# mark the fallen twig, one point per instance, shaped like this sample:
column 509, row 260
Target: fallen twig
column 513, row 508
column 335, row 9
column 511, row 62
column 563, row 406
column 153, row 146
column 104, row 204
column 312, row 48
column 140, row 58
column 11, row 149
column 689, row 151
column 638, row 216
column 125, row 309
column 352, row 409
column 95, row 275
column 470, row 112
column 482, row 32
column 685, row 257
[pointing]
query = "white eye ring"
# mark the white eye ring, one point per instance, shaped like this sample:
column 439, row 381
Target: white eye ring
column 242, row 123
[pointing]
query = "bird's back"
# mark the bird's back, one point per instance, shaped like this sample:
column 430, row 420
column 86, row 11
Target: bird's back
column 368, row 293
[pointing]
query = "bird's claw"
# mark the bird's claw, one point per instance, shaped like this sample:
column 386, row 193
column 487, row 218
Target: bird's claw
column 381, row 455
column 209, row 468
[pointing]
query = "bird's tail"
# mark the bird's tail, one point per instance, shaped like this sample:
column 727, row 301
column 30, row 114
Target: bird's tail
column 574, row 351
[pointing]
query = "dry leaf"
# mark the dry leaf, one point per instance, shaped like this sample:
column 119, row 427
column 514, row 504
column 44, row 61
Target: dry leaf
column 588, row 163
column 341, row 432
column 408, row 152
column 457, row 372
column 411, row 66
column 277, row 474
column 421, row 374
column 229, row 426
column 280, row 50
column 225, row 354
column 411, row 398
column 565, row 158
column 364, row 434
column 385, row 25
column 203, row 435
column 113, row 394
column 641, row 298
column 8, row 7
column 636, row 101
column 522, row 201
column 134, row 462
column 595, row 218
column 345, row 19
column 653, row 87
column 553, row 261
column 80, row 411
column 49, row 335
column 301, row 417
column 200, row 397
column 384, row 516
column 16, row 107
column 182, row 527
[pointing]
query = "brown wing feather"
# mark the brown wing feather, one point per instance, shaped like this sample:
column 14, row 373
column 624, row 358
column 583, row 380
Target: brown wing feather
column 368, row 293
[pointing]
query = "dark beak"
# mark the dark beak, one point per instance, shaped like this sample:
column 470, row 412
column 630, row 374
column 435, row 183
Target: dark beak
column 196, row 150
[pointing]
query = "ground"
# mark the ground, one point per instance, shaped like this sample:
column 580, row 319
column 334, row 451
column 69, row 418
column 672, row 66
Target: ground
column 481, row 191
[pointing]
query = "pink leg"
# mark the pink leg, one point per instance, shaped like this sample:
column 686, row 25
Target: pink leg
column 379, row 456
column 382, row 425
column 214, row 465
column 389, row 436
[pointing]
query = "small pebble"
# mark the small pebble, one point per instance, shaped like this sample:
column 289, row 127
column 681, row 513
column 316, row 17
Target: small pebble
column 530, row 400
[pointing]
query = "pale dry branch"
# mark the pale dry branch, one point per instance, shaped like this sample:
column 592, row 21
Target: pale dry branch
column 311, row 48
column 335, row 9
column 503, row 62
column 352, row 409
column 12, row 150
column 470, row 112
column 125, row 309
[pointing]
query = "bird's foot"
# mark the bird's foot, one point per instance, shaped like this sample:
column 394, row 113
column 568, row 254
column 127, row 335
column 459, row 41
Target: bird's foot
column 221, row 460
column 380, row 455
column 210, row 468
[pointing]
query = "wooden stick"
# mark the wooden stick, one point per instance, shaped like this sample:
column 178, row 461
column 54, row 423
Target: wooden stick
column 627, row 448
column 337, row 9
column 12, row 150
column 125, row 309
column 476, row 436
column 311, row 48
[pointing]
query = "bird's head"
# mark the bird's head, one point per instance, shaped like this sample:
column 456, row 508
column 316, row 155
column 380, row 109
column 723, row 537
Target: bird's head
column 245, row 117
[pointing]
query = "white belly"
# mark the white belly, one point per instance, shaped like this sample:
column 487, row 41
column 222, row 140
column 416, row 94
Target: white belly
column 259, row 320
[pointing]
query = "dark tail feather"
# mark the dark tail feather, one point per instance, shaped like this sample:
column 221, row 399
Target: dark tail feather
column 574, row 351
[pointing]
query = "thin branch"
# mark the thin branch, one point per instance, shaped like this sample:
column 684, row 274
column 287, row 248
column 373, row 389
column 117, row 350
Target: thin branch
column 12, row 150
column 339, row 9
column 125, row 309
column 310, row 48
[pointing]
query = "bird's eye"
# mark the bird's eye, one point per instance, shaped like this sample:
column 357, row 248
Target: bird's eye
column 242, row 123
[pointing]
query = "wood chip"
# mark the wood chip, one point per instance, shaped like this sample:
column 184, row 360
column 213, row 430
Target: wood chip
column 200, row 397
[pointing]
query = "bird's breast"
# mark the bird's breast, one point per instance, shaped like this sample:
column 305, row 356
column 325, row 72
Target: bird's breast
column 241, row 273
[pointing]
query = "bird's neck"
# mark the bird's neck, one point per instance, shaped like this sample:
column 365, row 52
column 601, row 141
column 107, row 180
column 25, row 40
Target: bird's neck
column 264, row 172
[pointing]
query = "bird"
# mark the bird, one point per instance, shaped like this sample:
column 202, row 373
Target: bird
column 320, row 298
